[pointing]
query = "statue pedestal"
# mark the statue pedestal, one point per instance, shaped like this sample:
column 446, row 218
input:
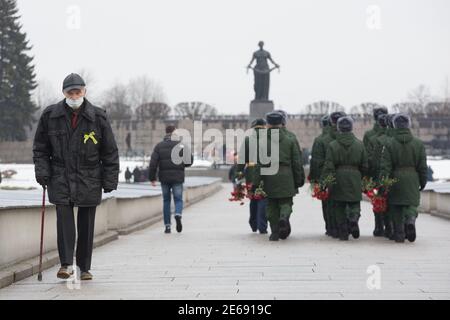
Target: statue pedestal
column 259, row 109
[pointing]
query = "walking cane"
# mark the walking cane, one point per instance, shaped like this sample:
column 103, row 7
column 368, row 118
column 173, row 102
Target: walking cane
column 42, row 235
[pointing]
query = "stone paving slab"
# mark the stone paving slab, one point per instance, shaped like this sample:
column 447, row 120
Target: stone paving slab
column 218, row 257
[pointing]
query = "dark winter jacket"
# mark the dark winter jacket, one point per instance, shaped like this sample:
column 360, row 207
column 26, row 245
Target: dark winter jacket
column 290, row 175
column 346, row 160
column 78, row 162
column 161, row 162
column 405, row 159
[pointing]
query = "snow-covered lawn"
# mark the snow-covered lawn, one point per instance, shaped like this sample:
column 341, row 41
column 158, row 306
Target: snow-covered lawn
column 25, row 172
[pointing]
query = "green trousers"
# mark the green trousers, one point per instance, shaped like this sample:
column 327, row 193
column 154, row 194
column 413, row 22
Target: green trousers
column 346, row 211
column 278, row 208
column 399, row 213
column 331, row 215
column 325, row 213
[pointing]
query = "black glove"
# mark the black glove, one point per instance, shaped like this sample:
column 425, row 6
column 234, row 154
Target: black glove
column 108, row 190
column 43, row 181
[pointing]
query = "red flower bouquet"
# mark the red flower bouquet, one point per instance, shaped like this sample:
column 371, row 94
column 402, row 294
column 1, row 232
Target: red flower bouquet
column 321, row 190
column 378, row 192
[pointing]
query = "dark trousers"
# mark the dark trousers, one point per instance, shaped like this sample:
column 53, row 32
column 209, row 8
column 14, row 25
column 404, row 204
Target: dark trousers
column 258, row 216
column 66, row 235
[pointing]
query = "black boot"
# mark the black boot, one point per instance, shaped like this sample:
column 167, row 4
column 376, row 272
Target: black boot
column 378, row 231
column 411, row 229
column 354, row 228
column 388, row 230
column 284, row 228
column 289, row 228
column 399, row 232
column 343, row 231
column 334, row 232
column 275, row 236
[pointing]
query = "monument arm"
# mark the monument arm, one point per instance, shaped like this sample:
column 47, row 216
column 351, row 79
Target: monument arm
column 251, row 62
column 274, row 63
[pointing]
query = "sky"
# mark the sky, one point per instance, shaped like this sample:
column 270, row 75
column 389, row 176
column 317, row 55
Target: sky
column 347, row 51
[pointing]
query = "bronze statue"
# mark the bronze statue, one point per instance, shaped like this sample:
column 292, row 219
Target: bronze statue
column 262, row 72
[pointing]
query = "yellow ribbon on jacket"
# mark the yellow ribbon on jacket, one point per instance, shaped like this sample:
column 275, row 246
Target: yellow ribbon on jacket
column 90, row 136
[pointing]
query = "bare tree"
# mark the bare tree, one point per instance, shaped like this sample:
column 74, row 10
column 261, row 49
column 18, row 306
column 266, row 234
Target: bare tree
column 116, row 102
column 406, row 107
column 421, row 96
column 144, row 90
column 153, row 110
column 365, row 108
column 323, row 107
column 195, row 110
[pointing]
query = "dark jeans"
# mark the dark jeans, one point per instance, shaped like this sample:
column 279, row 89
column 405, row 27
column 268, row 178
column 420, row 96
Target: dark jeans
column 258, row 217
column 168, row 190
column 65, row 223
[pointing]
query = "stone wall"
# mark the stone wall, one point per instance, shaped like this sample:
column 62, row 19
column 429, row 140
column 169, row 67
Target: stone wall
column 145, row 134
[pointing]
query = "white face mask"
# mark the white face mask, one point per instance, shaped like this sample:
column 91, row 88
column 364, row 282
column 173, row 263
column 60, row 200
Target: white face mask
column 75, row 104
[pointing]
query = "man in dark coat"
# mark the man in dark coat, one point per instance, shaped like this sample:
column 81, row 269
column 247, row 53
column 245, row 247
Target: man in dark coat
column 405, row 160
column 376, row 127
column 321, row 155
column 128, row 175
column 347, row 161
column 318, row 153
column 171, row 174
column 376, row 131
column 75, row 155
column 375, row 148
column 281, row 186
column 137, row 175
column 249, row 167
column 293, row 137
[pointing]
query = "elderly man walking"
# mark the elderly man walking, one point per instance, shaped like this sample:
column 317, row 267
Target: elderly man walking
column 75, row 155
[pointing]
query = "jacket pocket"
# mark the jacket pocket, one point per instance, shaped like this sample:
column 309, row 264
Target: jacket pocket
column 91, row 149
column 57, row 140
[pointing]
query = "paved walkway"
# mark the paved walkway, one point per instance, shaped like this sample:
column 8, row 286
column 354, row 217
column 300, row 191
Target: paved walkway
column 217, row 257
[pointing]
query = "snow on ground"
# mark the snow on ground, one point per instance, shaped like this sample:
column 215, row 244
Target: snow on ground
column 441, row 169
column 25, row 172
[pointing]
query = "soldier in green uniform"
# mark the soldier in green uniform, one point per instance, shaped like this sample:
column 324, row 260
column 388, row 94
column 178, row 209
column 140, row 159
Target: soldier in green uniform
column 294, row 138
column 379, row 227
column 405, row 160
column 249, row 167
column 375, row 149
column 282, row 186
column 347, row 161
column 318, row 153
column 332, row 132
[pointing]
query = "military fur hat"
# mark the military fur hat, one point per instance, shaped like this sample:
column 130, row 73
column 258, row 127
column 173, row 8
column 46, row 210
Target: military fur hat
column 345, row 124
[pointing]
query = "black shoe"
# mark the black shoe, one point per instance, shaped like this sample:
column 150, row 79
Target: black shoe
column 263, row 232
column 388, row 230
column 343, row 231
column 378, row 231
column 179, row 225
column 411, row 230
column 274, row 237
column 334, row 233
column 284, row 229
column 399, row 233
column 354, row 229
column 289, row 228
column 167, row 230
